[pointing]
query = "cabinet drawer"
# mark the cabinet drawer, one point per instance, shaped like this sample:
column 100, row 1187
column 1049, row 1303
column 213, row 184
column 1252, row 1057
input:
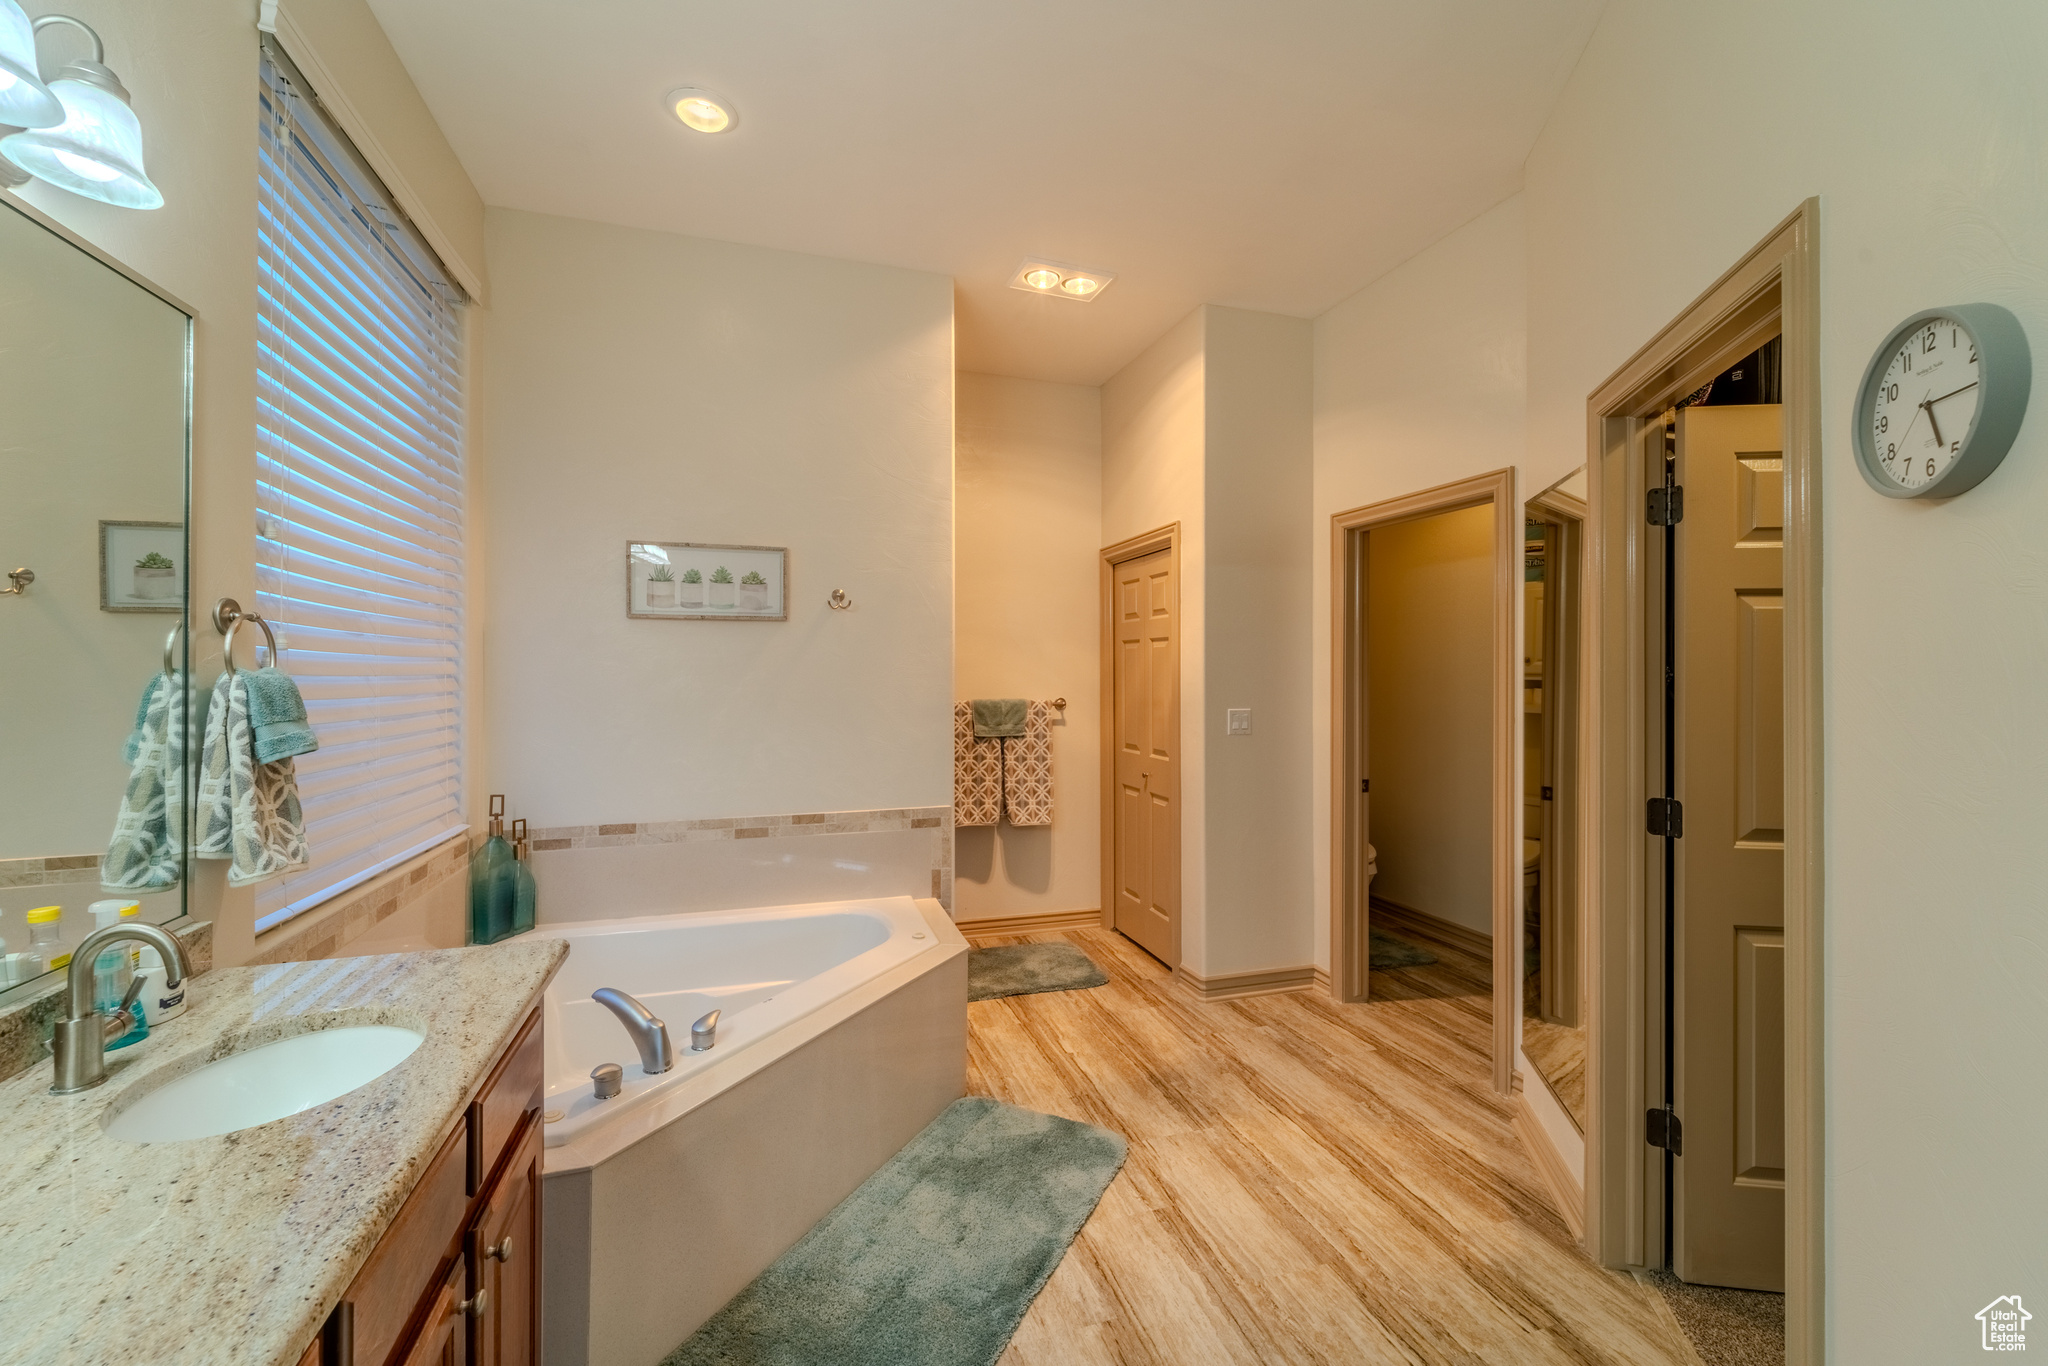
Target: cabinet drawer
column 513, row 1091
column 408, row 1264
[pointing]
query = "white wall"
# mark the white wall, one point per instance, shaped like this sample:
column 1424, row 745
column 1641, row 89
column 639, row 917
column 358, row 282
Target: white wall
column 191, row 71
column 1677, row 146
column 646, row 386
column 1419, row 381
column 1429, row 673
column 1257, row 379
column 1027, row 522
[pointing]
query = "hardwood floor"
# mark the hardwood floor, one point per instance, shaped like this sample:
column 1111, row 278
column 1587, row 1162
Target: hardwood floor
column 1308, row 1182
column 1559, row 1053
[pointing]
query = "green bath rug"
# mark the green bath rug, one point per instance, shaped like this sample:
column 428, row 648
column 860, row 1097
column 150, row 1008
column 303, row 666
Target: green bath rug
column 1021, row 969
column 933, row 1261
column 1389, row 952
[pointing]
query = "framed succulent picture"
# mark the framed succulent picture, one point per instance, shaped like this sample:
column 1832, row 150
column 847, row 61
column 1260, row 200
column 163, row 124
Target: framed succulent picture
column 142, row 566
column 689, row 581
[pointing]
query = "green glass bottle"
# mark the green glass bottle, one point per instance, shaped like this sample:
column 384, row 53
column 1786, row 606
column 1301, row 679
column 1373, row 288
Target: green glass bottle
column 491, row 882
column 525, row 895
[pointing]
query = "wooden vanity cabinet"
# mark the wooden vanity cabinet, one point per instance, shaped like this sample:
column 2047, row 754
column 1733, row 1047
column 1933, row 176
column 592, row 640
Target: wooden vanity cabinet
column 455, row 1280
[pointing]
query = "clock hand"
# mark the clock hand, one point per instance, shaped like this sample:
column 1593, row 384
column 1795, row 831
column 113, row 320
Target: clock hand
column 1952, row 393
column 1901, row 440
column 1928, row 404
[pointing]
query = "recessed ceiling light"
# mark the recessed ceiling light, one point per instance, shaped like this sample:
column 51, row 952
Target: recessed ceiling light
column 1060, row 279
column 706, row 111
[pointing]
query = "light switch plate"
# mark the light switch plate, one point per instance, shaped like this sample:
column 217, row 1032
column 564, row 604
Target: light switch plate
column 1237, row 721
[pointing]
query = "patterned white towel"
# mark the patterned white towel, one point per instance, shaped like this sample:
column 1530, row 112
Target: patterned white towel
column 1027, row 769
column 977, row 772
column 248, row 812
column 143, row 855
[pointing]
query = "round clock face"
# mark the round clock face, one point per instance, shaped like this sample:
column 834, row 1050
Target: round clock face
column 1941, row 401
column 1925, row 403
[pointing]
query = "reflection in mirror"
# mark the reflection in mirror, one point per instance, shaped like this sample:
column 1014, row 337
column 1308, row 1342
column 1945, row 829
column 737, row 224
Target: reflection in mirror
column 94, row 382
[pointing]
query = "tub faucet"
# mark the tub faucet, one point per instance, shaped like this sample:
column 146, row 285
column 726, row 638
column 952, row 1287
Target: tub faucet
column 78, row 1045
column 650, row 1036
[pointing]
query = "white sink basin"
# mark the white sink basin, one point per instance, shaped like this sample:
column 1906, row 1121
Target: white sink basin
column 267, row 1083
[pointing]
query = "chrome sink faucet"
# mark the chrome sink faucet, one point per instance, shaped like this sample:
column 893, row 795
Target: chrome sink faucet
column 78, row 1045
column 650, row 1036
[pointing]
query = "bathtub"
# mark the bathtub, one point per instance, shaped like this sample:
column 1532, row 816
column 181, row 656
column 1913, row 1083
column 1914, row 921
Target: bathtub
column 842, row 1033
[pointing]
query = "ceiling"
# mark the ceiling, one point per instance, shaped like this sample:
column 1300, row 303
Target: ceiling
column 1271, row 156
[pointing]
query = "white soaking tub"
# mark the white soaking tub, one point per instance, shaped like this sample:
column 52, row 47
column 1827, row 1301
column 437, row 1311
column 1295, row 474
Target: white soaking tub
column 842, row 1033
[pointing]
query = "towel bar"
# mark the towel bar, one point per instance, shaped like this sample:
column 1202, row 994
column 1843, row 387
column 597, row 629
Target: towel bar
column 227, row 615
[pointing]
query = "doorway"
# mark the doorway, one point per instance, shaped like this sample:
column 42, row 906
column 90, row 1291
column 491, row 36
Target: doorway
column 1703, row 797
column 1352, row 759
column 1553, row 1011
column 1141, row 742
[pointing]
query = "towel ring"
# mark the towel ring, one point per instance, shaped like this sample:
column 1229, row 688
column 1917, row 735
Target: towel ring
column 227, row 615
column 170, row 644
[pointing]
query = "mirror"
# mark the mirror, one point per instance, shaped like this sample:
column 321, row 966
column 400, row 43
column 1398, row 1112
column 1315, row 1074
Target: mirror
column 95, row 388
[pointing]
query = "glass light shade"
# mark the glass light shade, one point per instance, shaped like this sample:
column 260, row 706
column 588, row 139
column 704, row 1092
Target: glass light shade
column 24, row 100
column 96, row 152
column 1079, row 285
column 1041, row 279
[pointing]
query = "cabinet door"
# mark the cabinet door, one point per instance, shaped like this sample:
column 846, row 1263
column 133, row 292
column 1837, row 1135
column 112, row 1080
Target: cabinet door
column 443, row 1339
column 504, row 1259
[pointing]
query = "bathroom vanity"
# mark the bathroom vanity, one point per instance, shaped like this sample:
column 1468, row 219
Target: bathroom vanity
column 397, row 1222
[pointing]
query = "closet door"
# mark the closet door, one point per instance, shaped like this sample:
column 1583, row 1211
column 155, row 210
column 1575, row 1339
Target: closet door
column 1730, row 720
column 1145, row 604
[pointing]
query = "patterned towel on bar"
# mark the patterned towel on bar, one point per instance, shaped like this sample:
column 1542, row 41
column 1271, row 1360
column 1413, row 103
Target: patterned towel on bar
column 248, row 812
column 1027, row 769
column 977, row 772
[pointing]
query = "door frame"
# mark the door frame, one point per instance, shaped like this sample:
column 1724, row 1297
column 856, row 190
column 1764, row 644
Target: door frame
column 1350, row 913
column 1165, row 538
column 1773, row 290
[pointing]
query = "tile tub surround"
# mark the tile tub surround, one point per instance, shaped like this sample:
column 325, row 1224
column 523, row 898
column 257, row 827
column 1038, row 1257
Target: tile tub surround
column 25, row 1024
column 235, row 1248
column 332, row 926
column 762, row 860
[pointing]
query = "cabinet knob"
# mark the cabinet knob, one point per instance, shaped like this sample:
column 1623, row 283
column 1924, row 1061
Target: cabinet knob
column 503, row 1251
column 475, row 1305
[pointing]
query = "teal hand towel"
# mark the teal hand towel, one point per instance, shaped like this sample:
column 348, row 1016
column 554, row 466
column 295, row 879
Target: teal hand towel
column 277, row 716
column 998, row 718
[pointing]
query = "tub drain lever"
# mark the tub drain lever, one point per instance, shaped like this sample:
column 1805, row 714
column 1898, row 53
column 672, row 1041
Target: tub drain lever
column 607, row 1079
column 703, row 1033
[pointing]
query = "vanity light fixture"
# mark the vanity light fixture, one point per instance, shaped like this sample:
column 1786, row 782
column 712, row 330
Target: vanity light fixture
column 1058, row 278
column 705, row 111
column 25, row 102
column 97, row 150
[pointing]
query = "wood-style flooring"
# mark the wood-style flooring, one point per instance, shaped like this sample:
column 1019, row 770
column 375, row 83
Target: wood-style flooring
column 1308, row 1182
column 1558, row 1052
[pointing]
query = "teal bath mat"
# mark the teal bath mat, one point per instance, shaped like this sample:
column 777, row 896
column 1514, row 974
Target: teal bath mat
column 933, row 1261
column 1021, row 969
column 1389, row 952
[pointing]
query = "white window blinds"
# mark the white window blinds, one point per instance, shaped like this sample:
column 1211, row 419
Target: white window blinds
column 359, row 520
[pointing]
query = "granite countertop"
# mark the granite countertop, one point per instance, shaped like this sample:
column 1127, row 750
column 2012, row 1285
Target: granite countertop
column 235, row 1248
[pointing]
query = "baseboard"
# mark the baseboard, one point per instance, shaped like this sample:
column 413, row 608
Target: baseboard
column 1231, row 986
column 1565, row 1189
column 1030, row 924
column 1422, row 922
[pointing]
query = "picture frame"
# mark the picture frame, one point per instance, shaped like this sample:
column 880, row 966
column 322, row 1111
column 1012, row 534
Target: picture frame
column 142, row 567
column 699, row 581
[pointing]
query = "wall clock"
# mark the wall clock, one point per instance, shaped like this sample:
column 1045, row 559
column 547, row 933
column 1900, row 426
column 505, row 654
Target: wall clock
column 1941, row 401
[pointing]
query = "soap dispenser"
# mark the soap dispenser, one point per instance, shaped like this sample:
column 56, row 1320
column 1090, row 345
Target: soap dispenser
column 525, row 894
column 492, row 881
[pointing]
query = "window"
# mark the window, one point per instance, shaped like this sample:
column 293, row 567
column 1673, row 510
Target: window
column 359, row 499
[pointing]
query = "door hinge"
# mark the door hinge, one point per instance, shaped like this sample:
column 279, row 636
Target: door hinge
column 1666, row 817
column 1365, row 784
column 1546, row 794
column 1667, row 506
column 1661, row 1129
